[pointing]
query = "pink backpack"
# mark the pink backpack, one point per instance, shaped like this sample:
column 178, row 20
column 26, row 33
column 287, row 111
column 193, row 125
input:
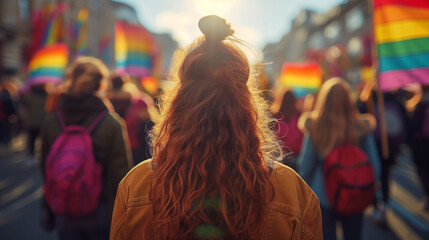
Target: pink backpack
column 73, row 178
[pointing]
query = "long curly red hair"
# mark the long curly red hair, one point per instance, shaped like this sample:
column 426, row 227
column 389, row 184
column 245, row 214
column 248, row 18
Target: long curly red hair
column 212, row 149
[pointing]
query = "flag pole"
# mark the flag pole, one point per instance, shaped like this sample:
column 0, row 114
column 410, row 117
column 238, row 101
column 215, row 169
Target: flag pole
column 380, row 98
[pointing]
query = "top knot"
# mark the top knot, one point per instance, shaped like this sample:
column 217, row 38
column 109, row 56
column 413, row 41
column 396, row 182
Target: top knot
column 214, row 28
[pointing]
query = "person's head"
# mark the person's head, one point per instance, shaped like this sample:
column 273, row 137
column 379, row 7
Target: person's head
column 288, row 104
column 117, row 83
column 86, row 75
column 213, row 143
column 335, row 116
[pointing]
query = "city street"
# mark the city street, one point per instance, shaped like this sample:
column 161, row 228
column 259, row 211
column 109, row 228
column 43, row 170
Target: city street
column 20, row 193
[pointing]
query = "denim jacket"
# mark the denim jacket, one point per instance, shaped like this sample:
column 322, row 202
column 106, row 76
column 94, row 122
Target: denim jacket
column 310, row 163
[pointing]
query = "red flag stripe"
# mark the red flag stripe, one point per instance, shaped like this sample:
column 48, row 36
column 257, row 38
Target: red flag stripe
column 409, row 3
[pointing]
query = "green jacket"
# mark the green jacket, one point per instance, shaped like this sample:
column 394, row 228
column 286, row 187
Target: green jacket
column 110, row 141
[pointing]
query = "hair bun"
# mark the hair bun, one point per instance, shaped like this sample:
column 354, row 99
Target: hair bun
column 214, row 28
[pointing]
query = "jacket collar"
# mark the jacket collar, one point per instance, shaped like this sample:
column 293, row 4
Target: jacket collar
column 85, row 103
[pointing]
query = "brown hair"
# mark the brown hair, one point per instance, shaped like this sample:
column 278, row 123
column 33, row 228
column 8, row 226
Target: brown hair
column 335, row 117
column 288, row 104
column 212, row 147
column 86, row 75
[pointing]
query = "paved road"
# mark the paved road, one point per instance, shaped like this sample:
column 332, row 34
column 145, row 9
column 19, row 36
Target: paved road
column 20, row 192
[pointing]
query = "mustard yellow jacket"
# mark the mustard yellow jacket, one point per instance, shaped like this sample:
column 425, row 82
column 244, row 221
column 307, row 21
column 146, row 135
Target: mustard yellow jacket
column 293, row 214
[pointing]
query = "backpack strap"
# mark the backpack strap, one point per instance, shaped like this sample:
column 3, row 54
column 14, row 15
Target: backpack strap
column 91, row 126
column 96, row 121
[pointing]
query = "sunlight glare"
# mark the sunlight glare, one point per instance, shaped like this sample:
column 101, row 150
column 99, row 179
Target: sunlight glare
column 218, row 7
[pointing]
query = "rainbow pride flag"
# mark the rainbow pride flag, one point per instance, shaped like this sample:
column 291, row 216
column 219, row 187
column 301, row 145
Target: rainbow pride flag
column 48, row 64
column 302, row 78
column 106, row 53
column 401, row 30
column 149, row 84
column 46, row 27
column 55, row 31
column 81, row 31
column 135, row 50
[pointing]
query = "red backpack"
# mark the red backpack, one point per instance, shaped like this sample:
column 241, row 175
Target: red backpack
column 349, row 179
column 73, row 178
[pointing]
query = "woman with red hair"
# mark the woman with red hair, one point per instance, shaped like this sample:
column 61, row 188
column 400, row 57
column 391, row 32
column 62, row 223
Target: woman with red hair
column 213, row 174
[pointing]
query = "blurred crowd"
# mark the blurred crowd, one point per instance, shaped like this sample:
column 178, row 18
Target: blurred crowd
column 309, row 128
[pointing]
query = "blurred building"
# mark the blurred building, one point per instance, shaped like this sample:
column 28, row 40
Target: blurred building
column 16, row 35
column 100, row 28
column 14, row 27
column 167, row 46
column 15, row 30
column 340, row 40
column 292, row 47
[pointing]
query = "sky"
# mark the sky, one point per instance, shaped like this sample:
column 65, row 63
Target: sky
column 258, row 22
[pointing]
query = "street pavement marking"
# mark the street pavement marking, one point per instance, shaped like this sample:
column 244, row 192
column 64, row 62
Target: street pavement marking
column 5, row 183
column 410, row 173
column 22, row 203
column 401, row 229
column 12, row 217
column 17, row 191
column 409, row 202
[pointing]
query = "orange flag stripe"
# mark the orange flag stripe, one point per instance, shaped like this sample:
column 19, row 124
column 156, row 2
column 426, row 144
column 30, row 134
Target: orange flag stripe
column 394, row 13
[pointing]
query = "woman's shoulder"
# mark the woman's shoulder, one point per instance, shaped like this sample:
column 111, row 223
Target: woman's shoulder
column 305, row 121
column 136, row 183
column 366, row 123
column 112, row 121
column 368, row 120
column 291, row 191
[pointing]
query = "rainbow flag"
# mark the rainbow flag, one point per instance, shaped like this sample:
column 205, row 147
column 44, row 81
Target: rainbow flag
column 106, row 53
column 135, row 50
column 302, row 78
column 81, row 31
column 149, row 84
column 401, row 30
column 55, row 31
column 44, row 24
column 48, row 64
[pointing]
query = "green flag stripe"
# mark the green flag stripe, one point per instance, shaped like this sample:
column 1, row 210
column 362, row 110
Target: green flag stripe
column 403, row 48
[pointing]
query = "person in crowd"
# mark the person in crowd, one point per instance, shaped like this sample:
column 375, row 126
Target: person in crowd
column 287, row 127
column 7, row 109
column 32, row 111
column 132, row 105
column 139, row 122
column 212, row 175
column 333, row 122
column 120, row 99
column 420, row 141
column 397, row 126
column 80, row 104
column 9, row 120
